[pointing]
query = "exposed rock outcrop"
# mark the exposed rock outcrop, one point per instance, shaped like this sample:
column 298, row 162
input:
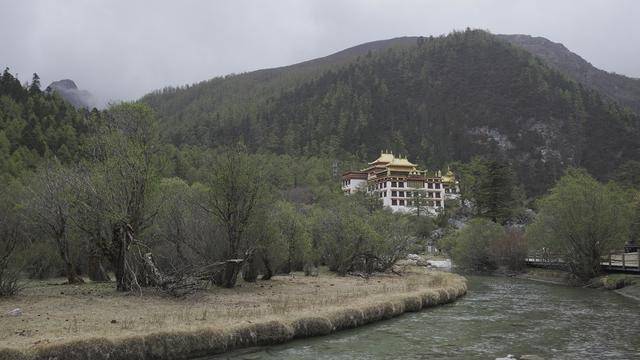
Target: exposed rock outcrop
column 69, row 91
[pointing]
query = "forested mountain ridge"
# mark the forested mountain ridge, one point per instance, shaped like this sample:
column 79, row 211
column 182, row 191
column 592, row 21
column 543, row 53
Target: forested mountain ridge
column 229, row 96
column 622, row 89
column 441, row 100
column 36, row 124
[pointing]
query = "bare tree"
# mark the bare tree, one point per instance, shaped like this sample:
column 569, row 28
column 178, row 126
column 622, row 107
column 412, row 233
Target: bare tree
column 50, row 208
column 234, row 189
column 121, row 183
column 11, row 237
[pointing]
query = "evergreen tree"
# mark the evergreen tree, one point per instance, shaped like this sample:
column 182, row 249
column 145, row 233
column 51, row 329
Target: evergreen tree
column 34, row 88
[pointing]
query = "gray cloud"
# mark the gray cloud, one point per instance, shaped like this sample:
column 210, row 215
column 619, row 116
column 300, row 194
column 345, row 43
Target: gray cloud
column 124, row 49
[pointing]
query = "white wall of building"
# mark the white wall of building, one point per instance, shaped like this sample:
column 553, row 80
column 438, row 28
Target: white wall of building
column 350, row 186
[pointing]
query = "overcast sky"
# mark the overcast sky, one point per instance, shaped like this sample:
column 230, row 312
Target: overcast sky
column 124, row 49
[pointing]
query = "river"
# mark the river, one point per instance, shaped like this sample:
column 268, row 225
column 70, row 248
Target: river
column 498, row 316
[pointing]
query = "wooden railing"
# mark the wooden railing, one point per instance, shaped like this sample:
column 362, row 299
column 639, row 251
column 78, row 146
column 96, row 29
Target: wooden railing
column 622, row 260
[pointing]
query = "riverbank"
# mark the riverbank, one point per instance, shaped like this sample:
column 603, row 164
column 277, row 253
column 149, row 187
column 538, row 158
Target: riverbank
column 499, row 316
column 93, row 321
column 624, row 284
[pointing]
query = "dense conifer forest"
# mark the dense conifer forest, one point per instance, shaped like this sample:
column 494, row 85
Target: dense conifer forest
column 438, row 100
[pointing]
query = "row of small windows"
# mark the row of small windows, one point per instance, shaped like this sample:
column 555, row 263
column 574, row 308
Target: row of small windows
column 383, row 185
column 399, row 184
column 402, row 202
column 395, row 193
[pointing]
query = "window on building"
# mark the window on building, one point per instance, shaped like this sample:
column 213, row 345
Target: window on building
column 438, row 203
column 430, row 186
column 401, row 193
column 394, row 193
column 401, row 202
column 394, row 202
column 438, row 195
column 393, row 184
column 437, row 186
column 401, row 184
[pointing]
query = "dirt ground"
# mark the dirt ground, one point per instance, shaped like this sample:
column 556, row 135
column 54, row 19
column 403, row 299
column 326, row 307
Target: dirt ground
column 54, row 312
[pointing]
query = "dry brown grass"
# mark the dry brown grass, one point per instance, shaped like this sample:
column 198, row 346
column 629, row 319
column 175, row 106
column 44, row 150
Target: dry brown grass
column 60, row 318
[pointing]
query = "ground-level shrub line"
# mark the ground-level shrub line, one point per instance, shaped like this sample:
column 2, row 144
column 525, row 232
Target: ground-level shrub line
column 204, row 342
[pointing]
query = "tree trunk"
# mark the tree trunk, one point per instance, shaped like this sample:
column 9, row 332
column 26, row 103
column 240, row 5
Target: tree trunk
column 72, row 277
column 96, row 270
column 63, row 249
column 268, row 272
column 231, row 270
column 250, row 272
column 122, row 236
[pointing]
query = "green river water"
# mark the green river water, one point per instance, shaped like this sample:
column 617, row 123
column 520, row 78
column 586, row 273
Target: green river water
column 498, row 316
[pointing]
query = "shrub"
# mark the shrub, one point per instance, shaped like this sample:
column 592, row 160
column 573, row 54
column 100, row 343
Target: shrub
column 582, row 219
column 43, row 261
column 471, row 245
column 510, row 250
column 9, row 284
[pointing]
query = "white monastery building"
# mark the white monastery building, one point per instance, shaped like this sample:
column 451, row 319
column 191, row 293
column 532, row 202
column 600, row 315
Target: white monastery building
column 402, row 186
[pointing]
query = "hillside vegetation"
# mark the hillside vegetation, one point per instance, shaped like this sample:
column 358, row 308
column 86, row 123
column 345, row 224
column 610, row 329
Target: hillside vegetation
column 36, row 124
column 439, row 100
column 620, row 88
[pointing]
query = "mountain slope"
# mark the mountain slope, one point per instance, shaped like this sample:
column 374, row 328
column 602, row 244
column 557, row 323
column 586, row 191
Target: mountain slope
column 623, row 89
column 227, row 96
column 439, row 100
column 37, row 125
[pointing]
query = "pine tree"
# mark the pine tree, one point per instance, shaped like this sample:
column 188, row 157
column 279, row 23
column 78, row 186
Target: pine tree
column 34, row 88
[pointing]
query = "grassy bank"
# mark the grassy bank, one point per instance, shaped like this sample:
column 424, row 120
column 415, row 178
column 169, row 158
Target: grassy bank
column 93, row 321
column 624, row 284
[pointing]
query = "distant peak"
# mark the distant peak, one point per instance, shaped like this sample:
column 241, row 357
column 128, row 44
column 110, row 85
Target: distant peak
column 66, row 84
column 68, row 89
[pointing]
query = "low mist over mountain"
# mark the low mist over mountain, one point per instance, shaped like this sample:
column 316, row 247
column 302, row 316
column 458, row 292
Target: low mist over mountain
column 438, row 99
column 70, row 92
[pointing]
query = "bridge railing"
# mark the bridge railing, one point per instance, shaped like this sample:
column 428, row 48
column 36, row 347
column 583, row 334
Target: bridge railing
column 623, row 259
column 615, row 260
column 544, row 258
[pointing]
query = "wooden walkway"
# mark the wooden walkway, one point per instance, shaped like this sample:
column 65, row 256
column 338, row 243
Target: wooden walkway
column 614, row 262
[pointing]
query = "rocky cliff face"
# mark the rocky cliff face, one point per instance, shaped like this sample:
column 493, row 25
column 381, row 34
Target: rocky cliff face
column 70, row 92
column 622, row 89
